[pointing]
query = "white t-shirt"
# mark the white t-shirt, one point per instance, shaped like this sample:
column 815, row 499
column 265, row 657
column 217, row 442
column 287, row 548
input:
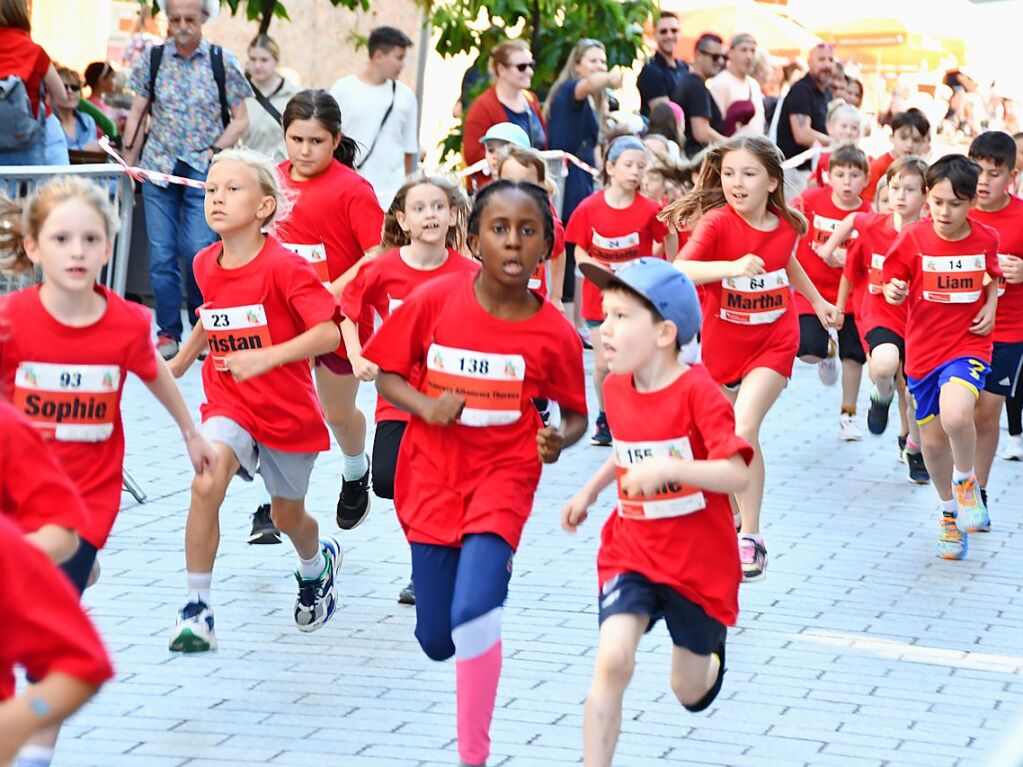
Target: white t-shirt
column 726, row 89
column 362, row 110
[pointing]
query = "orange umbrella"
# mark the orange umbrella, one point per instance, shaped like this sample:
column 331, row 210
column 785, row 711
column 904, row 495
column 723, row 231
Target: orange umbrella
column 891, row 45
column 777, row 33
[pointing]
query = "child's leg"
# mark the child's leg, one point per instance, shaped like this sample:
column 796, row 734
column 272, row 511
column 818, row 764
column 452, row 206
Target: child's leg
column 202, row 527
column 599, row 365
column 434, row 569
column 385, row 456
column 616, row 659
column 850, row 351
column 692, row 675
column 481, row 587
column 814, row 340
column 907, row 425
column 291, row 518
column 938, row 457
column 852, row 374
column 337, row 397
column 957, row 405
column 883, row 369
column 986, row 420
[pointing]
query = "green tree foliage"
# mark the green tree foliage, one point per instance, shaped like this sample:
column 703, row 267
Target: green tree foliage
column 266, row 10
column 551, row 27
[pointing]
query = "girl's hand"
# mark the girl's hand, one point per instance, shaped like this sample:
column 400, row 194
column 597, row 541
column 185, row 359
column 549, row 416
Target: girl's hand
column 549, row 442
column 1012, row 268
column 250, row 363
column 363, row 369
column 841, row 320
column 836, row 258
column 895, row 292
column 201, row 453
column 647, row 476
column 748, row 266
column 444, row 410
column 828, row 314
column 984, row 322
column 575, row 511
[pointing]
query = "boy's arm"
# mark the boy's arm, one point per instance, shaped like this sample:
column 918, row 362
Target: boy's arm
column 363, row 369
column 188, row 352
column 443, row 411
column 840, row 235
column 984, row 322
column 47, row 703
column 844, row 289
column 826, row 313
column 321, row 338
column 575, row 511
column 724, row 475
column 163, row 387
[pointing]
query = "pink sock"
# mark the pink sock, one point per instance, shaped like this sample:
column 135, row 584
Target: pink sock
column 476, row 676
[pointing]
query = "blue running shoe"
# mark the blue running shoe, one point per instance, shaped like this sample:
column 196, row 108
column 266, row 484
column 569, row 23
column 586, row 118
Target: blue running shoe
column 193, row 631
column 971, row 513
column 317, row 597
column 952, row 542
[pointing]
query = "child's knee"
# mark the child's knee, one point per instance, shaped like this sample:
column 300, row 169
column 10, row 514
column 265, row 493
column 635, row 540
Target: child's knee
column 614, row 666
column 437, row 645
column 208, row 488
column 688, row 691
column 286, row 514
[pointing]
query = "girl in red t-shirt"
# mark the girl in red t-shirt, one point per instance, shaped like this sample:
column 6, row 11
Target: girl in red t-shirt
column 465, row 355
column 610, row 228
column 742, row 248
column 423, row 239
column 335, row 220
column 264, row 315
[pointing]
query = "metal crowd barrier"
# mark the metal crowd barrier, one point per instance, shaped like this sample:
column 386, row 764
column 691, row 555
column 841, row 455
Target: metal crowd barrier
column 19, row 181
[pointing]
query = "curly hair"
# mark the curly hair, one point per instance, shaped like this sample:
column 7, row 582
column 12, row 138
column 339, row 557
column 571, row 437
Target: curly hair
column 393, row 236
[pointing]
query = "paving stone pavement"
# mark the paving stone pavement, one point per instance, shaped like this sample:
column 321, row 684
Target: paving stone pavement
column 860, row 648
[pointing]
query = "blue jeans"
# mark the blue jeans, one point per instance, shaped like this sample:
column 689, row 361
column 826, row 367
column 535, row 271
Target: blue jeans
column 177, row 230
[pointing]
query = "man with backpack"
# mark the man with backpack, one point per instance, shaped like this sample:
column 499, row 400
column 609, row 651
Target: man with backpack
column 193, row 94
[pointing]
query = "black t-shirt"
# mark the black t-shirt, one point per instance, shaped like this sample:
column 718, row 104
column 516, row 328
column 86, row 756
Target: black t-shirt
column 658, row 79
column 694, row 98
column 803, row 98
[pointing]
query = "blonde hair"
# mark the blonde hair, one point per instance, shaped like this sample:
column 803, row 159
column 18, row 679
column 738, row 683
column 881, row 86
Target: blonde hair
column 568, row 73
column 19, row 222
column 527, row 158
column 708, row 194
column 266, row 176
column 393, row 236
column 502, row 52
column 268, row 44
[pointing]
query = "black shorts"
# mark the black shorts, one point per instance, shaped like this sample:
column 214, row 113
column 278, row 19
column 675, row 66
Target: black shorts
column 1006, row 362
column 79, row 567
column 878, row 336
column 689, row 626
column 385, row 456
column 813, row 339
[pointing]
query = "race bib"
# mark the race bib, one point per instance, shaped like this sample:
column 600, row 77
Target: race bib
column 823, row 228
column 316, row 255
column 1003, row 261
column 671, row 500
column 953, row 279
column 874, row 284
column 69, row 403
column 758, row 300
column 615, row 251
column 490, row 384
column 234, row 329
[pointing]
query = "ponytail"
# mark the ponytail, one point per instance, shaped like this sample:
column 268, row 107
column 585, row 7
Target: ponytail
column 347, row 149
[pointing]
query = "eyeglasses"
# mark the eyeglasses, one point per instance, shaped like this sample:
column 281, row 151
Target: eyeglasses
column 525, row 65
column 715, row 56
column 72, row 87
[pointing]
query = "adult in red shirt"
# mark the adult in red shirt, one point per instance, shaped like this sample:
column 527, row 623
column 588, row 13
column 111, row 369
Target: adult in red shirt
column 507, row 100
column 22, row 57
column 947, row 269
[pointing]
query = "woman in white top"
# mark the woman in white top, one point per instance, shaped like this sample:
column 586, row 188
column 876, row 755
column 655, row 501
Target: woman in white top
column 265, row 133
column 735, row 82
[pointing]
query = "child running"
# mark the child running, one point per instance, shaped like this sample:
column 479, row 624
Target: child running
column 424, row 232
column 265, row 315
column 669, row 550
column 995, row 153
column 742, row 249
column 334, row 221
column 612, row 227
column 940, row 266
column 825, row 208
column 883, row 325
column 911, row 137
column 465, row 354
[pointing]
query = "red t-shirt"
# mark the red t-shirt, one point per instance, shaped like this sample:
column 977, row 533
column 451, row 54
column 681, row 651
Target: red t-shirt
column 878, row 168
column 820, row 171
column 380, row 285
column 45, row 628
column 824, row 217
column 273, row 298
column 20, row 56
column 863, row 267
column 681, row 536
column 946, row 290
column 613, row 236
column 487, row 463
column 336, row 218
column 34, row 490
column 538, row 281
column 748, row 322
column 67, row 382
column 1008, row 222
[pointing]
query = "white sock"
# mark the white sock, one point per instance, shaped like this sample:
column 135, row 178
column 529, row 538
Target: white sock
column 199, row 586
column 949, row 507
column 353, row 466
column 34, row 756
column 311, row 568
column 961, row 476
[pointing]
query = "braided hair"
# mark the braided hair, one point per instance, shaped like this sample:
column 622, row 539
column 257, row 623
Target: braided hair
column 536, row 193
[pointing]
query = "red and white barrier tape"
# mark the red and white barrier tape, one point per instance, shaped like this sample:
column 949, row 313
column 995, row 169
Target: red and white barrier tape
column 142, row 174
column 553, row 154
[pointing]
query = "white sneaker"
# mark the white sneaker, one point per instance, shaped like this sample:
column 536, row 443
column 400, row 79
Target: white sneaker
column 1013, row 448
column 827, row 368
column 848, row 429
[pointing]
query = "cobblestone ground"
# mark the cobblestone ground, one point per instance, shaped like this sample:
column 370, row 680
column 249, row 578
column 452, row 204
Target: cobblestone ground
column 861, row 648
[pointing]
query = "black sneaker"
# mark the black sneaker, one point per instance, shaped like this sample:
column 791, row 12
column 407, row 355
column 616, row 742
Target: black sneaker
column 918, row 473
column 263, row 530
column 353, row 503
column 408, row 594
column 601, row 433
column 902, row 448
column 877, row 415
column 986, row 528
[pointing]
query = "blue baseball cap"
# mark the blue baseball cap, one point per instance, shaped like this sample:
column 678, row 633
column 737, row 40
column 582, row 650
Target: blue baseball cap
column 670, row 292
column 509, row 132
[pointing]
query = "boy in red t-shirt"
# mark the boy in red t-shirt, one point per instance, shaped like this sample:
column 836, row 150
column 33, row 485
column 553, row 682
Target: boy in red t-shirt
column 911, row 135
column 995, row 153
column 670, row 549
column 825, row 208
column 941, row 266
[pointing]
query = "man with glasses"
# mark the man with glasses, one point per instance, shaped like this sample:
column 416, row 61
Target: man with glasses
column 190, row 120
column 663, row 73
column 703, row 118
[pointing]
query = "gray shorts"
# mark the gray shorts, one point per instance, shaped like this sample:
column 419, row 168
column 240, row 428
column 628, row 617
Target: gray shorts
column 286, row 475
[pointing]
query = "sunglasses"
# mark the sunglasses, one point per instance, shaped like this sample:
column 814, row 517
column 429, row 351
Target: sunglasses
column 525, row 65
column 715, row 56
column 72, row 87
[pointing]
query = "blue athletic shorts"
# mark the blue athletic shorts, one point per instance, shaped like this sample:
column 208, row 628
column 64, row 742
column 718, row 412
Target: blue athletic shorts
column 1006, row 362
column 966, row 371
